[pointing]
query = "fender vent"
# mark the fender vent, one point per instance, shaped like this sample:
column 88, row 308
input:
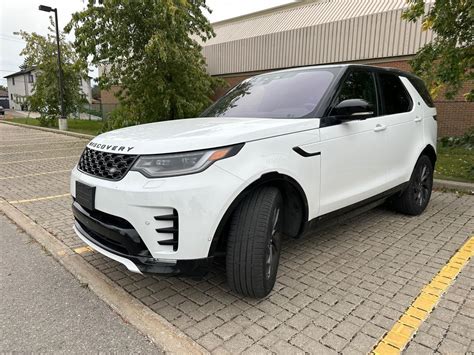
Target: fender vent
column 172, row 231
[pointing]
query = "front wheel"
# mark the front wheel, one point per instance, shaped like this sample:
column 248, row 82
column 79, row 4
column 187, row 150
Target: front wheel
column 254, row 243
column 416, row 196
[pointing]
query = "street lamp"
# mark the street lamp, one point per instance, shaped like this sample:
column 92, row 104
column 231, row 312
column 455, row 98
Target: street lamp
column 62, row 120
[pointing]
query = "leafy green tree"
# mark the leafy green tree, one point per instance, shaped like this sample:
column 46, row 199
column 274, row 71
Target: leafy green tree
column 150, row 50
column 448, row 61
column 41, row 53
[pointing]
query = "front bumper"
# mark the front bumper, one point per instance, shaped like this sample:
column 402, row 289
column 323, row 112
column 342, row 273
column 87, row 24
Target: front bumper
column 135, row 205
column 140, row 264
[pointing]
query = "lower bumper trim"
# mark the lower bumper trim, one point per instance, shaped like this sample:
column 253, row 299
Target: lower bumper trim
column 195, row 267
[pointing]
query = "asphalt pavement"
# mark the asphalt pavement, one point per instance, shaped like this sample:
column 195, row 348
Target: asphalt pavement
column 43, row 308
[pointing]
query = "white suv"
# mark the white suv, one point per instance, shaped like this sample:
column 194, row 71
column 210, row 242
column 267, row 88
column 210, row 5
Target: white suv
column 277, row 154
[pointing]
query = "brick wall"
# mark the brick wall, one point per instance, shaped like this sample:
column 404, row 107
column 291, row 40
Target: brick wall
column 108, row 96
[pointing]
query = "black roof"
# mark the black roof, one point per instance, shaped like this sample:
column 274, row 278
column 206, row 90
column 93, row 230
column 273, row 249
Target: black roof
column 346, row 66
column 384, row 69
column 23, row 71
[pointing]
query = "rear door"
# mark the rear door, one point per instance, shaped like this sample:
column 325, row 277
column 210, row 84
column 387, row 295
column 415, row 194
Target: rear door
column 352, row 158
column 402, row 114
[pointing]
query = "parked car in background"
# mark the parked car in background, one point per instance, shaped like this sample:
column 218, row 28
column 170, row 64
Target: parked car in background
column 278, row 154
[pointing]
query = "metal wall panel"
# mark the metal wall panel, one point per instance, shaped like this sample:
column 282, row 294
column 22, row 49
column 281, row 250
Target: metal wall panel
column 371, row 36
column 294, row 16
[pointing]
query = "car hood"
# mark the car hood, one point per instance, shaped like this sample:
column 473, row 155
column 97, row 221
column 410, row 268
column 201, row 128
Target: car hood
column 196, row 133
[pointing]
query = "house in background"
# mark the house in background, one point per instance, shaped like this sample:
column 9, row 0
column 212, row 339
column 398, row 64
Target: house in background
column 20, row 86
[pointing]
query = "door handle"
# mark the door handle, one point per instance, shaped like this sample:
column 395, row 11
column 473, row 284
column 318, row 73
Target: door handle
column 417, row 119
column 380, row 127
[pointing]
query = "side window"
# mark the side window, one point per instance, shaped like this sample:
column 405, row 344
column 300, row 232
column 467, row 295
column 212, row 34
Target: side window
column 358, row 85
column 422, row 90
column 395, row 97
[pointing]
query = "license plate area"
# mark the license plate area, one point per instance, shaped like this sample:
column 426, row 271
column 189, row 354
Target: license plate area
column 85, row 195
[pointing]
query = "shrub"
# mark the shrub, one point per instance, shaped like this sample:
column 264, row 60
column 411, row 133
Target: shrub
column 466, row 141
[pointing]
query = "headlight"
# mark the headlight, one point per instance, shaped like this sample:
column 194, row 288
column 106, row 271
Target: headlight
column 182, row 163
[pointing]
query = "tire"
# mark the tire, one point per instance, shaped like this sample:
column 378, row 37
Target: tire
column 254, row 243
column 414, row 199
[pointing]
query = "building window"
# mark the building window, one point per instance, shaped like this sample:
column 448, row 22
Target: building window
column 13, row 80
column 11, row 96
column 31, row 79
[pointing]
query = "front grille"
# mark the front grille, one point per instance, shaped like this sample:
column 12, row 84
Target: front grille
column 105, row 165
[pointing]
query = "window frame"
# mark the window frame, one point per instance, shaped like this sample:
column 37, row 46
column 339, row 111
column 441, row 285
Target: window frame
column 328, row 120
column 382, row 101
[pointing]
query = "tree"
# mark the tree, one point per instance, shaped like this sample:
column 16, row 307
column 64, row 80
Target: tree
column 448, row 61
column 41, row 53
column 150, row 50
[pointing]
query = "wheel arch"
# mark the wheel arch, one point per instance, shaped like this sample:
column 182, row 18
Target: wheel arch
column 294, row 198
column 431, row 153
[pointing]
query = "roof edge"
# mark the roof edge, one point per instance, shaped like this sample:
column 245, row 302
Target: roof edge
column 23, row 71
column 289, row 5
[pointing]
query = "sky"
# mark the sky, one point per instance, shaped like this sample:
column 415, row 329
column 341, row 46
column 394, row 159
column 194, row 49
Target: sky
column 24, row 15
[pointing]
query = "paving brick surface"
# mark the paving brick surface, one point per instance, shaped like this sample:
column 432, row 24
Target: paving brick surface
column 338, row 290
column 450, row 328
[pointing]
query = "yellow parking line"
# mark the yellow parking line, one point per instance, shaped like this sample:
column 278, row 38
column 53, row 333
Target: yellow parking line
column 83, row 250
column 32, row 160
column 38, row 199
column 37, row 174
column 396, row 339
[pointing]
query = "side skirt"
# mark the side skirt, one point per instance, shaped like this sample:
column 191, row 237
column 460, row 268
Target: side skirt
column 335, row 217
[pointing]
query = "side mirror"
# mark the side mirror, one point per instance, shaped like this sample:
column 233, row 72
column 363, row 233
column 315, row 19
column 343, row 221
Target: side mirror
column 353, row 109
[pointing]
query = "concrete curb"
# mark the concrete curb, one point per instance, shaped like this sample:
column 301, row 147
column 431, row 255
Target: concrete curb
column 158, row 329
column 454, row 185
column 51, row 130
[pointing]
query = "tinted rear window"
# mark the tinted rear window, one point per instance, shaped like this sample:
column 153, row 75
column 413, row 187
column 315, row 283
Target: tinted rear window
column 290, row 94
column 422, row 90
column 395, row 97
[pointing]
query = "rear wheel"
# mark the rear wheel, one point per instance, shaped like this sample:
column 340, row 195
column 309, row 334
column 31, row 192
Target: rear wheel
column 416, row 196
column 254, row 243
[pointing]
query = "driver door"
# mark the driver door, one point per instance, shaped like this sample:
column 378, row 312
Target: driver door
column 353, row 165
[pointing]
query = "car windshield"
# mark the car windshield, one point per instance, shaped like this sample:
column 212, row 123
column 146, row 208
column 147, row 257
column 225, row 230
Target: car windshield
column 287, row 94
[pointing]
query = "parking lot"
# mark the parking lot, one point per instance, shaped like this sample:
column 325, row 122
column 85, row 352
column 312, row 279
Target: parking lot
column 339, row 290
